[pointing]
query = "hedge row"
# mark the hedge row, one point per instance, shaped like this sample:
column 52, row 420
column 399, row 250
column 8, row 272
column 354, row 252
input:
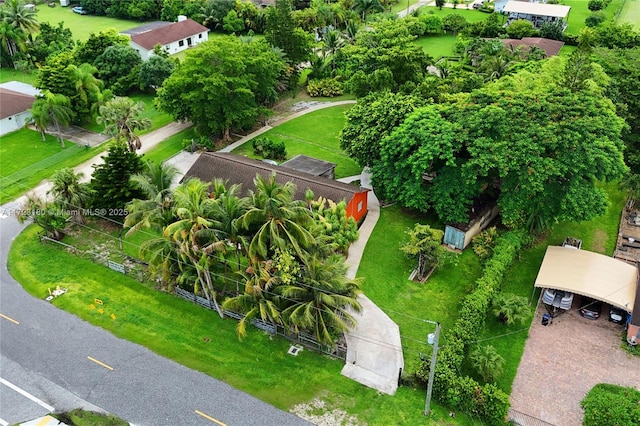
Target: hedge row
column 464, row 393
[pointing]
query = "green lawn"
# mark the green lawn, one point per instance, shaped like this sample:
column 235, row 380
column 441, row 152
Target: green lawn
column 25, row 160
column 170, row 146
column 321, row 142
column 580, row 11
column 470, row 15
column 177, row 329
column 437, row 45
column 630, row 13
column 81, row 25
column 10, row 74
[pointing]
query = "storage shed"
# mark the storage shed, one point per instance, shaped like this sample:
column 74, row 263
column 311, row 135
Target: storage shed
column 459, row 236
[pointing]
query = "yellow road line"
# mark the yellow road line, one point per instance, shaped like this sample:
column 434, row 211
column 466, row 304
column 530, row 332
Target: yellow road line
column 210, row 418
column 100, row 363
column 10, row 319
column 45, row 420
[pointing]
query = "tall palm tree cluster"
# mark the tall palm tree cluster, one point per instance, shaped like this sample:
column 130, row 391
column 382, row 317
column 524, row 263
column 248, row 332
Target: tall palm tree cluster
column 263, row 255
column 18, row 23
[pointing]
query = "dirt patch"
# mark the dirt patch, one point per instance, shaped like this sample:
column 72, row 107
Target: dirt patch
column 599, row 241
column 318, row 413
column 564, row 360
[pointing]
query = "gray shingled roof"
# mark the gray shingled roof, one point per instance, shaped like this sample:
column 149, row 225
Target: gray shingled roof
column 309, row 165
column 243, row 170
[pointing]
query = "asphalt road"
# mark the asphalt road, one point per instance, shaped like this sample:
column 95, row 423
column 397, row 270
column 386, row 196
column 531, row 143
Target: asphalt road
column 64, row 362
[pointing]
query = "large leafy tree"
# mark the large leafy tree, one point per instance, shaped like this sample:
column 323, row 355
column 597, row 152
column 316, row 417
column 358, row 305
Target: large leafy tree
column 371, row 119
column 111, row 181
column 155, row 71
column 118, row 68
column 51, row 109
column 282, row 32
column 384, row 58
column 539, row 153
column 222, row 85
column 122, row 117
column 51, row 40
column 96, row 44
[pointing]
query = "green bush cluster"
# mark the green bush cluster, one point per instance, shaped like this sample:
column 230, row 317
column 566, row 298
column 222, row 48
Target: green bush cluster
column 193, row 145
column 484, row 243
column 267, row 148
column 464, row 393
column 327, row 87
column 611, row 405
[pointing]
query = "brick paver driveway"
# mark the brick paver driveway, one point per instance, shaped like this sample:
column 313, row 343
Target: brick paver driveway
column 564, row 360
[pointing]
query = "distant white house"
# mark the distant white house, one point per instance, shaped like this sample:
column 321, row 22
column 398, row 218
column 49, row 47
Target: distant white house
column 15, row 99
column 174, row 37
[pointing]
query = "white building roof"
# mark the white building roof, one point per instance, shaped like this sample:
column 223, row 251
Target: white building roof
column 537, row 9
column 590, row 274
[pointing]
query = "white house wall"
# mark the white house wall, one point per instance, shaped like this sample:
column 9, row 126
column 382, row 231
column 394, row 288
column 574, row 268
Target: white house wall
column 13, row 123
column 173, row 47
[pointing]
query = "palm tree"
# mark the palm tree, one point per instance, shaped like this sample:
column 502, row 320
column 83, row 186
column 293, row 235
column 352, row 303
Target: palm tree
column 280, row 220
column 365, row 7
column 510, row 308
column 122, row 117
column 12, row 41
column 19, row 16
column 156, row 211
column 258, row 299
column 487, row 362
column 320, row 301
column 68, row 193
column 194, row 233
column 162, row 255
column 88, row 87
column 51, row 109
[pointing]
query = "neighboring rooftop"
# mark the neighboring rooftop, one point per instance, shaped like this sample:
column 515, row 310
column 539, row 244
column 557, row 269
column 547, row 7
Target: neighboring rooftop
column 146, row 28
column 310, row 165
column 12, row 103
column 537, row 9
column 166, row 34
column 550, row 47
column 243, row 170
column 20, row 87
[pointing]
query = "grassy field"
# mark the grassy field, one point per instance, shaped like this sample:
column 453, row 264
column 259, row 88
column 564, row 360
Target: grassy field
column 82, row 25
column 630, row 13
column 437, row 46
column 25, row 160
column 10, row 74
column 322, row 143
column 177, row 329
column 580, row 11
column 170, row 146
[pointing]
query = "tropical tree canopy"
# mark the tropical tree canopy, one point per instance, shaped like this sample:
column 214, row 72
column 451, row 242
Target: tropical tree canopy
column 122, row 117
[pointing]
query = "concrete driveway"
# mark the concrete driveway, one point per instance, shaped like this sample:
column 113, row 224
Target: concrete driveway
column 563, row 361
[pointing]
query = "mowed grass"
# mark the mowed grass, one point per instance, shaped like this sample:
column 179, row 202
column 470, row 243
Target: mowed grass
column 314, row 134
column 437, row 45
column 170, row 146
column 199, row 339
column 630, row 14
column 11, row 74
column 158, row 118
column 25, row 160
column 385, row 270
column 579, row 12
column 82, row 26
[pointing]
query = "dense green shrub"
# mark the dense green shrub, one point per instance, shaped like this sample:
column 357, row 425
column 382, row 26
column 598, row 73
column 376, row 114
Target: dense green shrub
column 610, row 405
column 197, row 144
column 595, row 5
column 595, row 19
column 267, row 148
column 464, row 393
column 327, row 87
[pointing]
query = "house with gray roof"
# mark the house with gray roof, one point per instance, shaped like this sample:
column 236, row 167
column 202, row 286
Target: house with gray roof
column 236, row 169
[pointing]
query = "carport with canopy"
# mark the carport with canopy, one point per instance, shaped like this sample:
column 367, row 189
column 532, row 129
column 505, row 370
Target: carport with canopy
column 589, row 274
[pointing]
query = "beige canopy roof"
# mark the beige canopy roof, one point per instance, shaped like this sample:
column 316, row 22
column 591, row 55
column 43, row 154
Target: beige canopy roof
column 537, row 9
column 590, row 274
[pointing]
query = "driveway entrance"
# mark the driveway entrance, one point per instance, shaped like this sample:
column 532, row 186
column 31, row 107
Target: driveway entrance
column 563, row 361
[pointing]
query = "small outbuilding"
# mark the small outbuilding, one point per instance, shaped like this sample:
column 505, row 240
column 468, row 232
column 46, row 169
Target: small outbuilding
column 174, row 37
column 310, row 165
column 536, row 13
column 459, row 236
column 242, row 170
column 594, row 275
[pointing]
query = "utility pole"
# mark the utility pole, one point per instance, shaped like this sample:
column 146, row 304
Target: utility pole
column 433, row 340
